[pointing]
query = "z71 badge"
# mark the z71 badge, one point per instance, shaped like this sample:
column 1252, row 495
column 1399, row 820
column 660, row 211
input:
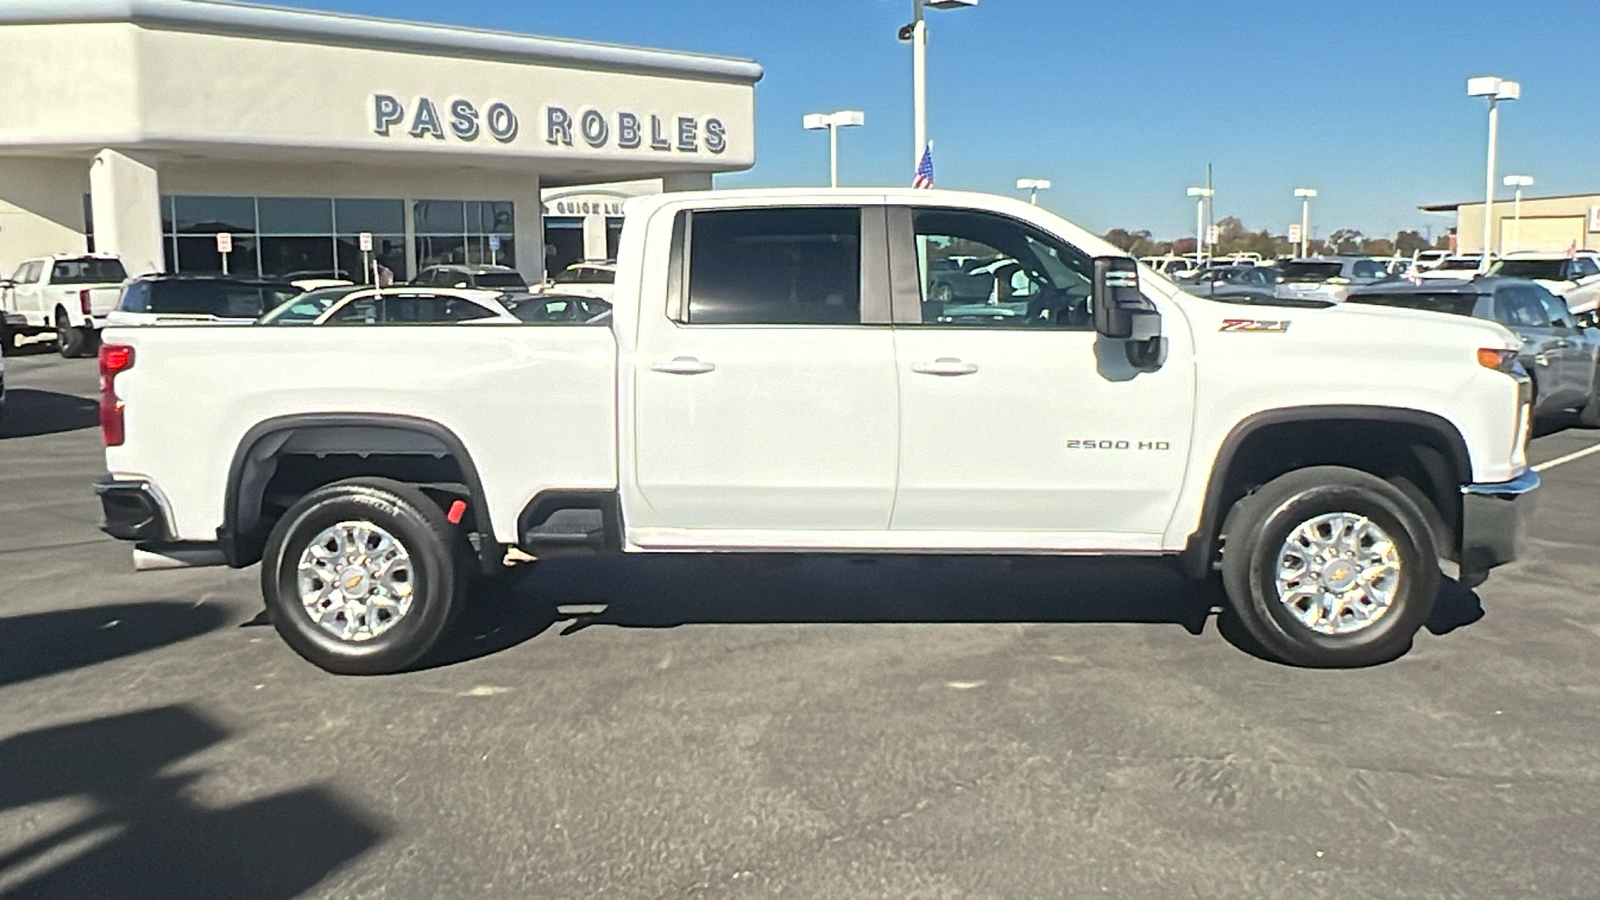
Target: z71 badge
column 1259, row 326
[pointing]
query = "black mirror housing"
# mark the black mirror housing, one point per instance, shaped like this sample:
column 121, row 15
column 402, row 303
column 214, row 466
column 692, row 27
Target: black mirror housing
column 1117, row 297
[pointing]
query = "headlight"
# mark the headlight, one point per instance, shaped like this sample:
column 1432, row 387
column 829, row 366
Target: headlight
column 1497, row 359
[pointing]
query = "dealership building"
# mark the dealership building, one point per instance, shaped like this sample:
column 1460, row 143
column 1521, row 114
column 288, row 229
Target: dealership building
column 147, row 127
column 1542, row 224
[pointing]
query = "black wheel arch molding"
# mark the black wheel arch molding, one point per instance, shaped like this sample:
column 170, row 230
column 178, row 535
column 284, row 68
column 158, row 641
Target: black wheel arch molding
column 242, row 537
column 1196, row 560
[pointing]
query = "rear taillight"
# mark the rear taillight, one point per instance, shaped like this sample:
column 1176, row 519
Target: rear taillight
column 83, row 303
column 114, row 359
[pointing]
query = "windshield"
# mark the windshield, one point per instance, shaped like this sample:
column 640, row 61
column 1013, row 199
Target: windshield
column 1454, row 304
column 1309, row 271
column 221, row 299
column 304, row 309
column 88, row 271
column 1545, row 269
column 499, row 280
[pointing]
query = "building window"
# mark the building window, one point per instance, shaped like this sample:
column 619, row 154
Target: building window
column 464, row 232
column 282, row 238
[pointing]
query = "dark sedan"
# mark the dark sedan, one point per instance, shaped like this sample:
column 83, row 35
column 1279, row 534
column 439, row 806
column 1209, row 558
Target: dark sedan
column 1560, row 355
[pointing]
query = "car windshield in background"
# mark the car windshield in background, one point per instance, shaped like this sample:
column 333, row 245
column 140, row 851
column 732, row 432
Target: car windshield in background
column 222, row 299
column 500, row 280
column 1309, row 271
column 584, row 276
column 1454, row 304
column 304, row 309
column 1545, row 269
column 88, row 271
column 1457, row 265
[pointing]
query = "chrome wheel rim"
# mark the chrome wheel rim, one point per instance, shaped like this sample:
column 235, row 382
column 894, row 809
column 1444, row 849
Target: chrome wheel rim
column 1338, row 573
column 356, row 580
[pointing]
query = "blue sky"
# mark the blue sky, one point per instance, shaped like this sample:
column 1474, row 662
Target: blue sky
column 1123, row 103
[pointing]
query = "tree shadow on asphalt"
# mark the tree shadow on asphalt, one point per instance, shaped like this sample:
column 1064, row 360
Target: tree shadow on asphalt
column 143, row 835
column 751, row 589
column 30, row 413
column 40, row 644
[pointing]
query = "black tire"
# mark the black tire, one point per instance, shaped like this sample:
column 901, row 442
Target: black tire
column 417, row 524
column 1256, row 531
column 8, row 341
column 73, row 342
column 1589, row 413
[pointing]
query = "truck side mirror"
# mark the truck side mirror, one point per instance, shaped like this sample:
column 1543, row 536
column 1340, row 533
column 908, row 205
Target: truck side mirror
column 1122, row 314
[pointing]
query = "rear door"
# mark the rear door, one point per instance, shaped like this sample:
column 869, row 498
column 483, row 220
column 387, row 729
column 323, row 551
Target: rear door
column 766, row 410
column 1018, row 426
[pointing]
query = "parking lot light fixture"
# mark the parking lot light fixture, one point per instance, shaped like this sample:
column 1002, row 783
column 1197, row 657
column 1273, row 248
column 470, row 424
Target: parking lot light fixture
column 1033, row 186
column 1494, row 90
column 832, row 122
column 1201, row 195
column 917, row 34
column 1305, row 195
column 1519, row 182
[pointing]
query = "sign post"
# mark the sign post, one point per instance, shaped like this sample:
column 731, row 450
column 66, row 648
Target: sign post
column 224, row 247
column 494, row 249
column 1294, row 234
column 367, row 267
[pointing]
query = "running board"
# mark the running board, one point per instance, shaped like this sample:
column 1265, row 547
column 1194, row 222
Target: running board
column 195, row 555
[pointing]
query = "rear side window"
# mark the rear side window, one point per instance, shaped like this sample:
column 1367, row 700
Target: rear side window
column 775, row 267
column 88, row 271
column 1454, row 304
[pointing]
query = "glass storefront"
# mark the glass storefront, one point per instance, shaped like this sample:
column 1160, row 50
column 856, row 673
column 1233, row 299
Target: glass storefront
column 282, row 238
column 469, row 232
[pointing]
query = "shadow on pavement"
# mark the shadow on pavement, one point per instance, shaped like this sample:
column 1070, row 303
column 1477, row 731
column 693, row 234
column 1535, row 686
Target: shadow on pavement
column 668, row 591
column 30, row 413
column 40, row 644
column 145, row 836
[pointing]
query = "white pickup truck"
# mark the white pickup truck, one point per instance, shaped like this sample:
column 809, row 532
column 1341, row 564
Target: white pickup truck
column 68, row 294
column 776, row 377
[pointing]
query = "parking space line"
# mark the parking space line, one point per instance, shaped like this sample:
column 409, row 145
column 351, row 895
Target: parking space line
column 1570, row 457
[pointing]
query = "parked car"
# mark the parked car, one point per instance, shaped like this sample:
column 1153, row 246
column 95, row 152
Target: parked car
column 1560, row 355
column 69, row 294
column 595, row 278
column 1574, row 278
column 1234, row 284
column 1453, row 268
column 1327, row 279
column 500, row 278
column 564, row 309
column 1428, row 259
column 407, row 305
column 171, row 299
column 370, row 471
column 1170, row 266
column 965, row 279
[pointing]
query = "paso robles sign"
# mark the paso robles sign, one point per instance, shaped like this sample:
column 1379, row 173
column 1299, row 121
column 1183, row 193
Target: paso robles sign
column 462, row 120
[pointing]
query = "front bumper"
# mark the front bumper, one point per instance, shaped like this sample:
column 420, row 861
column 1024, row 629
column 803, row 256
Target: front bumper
column 1494, row 524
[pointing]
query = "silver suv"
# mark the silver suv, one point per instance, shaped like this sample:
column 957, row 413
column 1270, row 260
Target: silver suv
column 1328, row 279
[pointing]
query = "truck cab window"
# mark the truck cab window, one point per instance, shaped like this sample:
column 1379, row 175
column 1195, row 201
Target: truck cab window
column 794, row 266
column 985, row 270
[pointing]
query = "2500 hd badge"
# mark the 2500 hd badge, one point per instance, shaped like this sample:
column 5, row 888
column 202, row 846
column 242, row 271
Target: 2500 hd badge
column 1118, row 445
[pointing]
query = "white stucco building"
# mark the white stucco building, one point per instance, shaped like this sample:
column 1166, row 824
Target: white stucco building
column 144, row 127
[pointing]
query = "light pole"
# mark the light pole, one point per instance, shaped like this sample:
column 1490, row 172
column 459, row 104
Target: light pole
column 832, row 122
column 1201, row 195
column 1519, row 182
column 1305, row 195
column 1495, row 90
column 1033, row 186
column 917, row 34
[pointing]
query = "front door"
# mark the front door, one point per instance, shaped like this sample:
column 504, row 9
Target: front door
column 766, row 410
column 1015, row 416
column 1520, row 308
column 25, row 294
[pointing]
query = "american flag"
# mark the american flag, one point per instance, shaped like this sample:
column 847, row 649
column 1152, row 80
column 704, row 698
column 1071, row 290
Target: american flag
column 924, row 176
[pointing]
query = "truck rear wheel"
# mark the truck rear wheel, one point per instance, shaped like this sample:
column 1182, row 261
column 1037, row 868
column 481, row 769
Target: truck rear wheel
column 72, row 342
column 360, row 578
column 1330, row 567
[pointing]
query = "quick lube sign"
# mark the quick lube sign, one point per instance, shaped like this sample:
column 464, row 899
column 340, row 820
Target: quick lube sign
column 462, row 120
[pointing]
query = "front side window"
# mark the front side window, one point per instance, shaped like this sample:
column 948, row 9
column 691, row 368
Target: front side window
column 1520, row 308
column 981, row 269
column 1583, row 267
column 1554, row 307
column 775, row 267
column 1369, row 268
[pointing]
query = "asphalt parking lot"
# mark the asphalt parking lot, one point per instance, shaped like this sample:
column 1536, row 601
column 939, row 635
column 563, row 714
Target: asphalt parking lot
column 793, row 726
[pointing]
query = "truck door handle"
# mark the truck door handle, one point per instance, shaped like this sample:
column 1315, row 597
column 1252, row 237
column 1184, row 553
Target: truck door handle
column 683, row 365
column 946, row 366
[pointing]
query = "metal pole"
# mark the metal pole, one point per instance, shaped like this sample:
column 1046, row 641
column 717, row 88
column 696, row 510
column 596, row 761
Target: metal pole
column 1199, row 229
column 1516, row 220
column 1488, row 201
column 1305, row 227
column 919, row 79
column 833, row 154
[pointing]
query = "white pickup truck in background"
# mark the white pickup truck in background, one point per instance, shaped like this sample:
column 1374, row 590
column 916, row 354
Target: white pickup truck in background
column 68, row 294
column 777, row 376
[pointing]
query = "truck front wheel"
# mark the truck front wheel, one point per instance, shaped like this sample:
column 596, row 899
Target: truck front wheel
column 1330, row 567
column 359, row 576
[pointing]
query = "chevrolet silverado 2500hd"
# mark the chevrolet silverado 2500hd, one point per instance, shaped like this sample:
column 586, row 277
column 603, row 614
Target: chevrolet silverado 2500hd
column 777, row 376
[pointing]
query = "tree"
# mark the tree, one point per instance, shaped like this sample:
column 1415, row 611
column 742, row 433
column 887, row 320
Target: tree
column 1409, row 243
column 1346, row 240
column 1377, row 247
